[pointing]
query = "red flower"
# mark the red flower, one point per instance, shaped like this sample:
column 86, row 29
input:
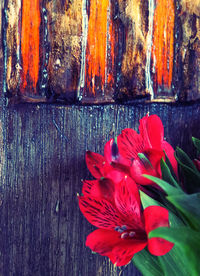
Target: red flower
column 115, row 209
column 197, row 164
column 111, row 165
column 144, row 151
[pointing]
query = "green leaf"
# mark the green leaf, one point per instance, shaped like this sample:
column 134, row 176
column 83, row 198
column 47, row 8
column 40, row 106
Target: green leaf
column 169, row 189
column 145, row 160
column 172, row 263
column 170, row 166
column 196, row 143
column 166, row 174
column 187, row 240
column 147, row 200
column 184, row 160
column 190, row 172
column 189, row 205
column 147, row 264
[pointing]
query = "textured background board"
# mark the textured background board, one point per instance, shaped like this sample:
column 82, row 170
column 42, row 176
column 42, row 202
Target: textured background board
column 42, row 150
column 42, row 164
column 101, row 51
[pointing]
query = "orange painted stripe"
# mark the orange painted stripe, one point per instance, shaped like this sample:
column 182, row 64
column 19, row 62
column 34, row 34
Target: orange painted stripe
column 163, row 41
column 97, row 41
column 30, row 40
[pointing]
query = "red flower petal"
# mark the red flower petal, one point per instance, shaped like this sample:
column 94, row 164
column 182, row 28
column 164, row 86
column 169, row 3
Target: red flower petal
column 138, row 169
column 102, row 241
column 144, row 132
column 111, row 153
column 127, row 201
column 115, row 175
column 130, row 143
column 152, row 131
column 108, row 243
column 99, row 188
column 95, row 163
column 91, row 187
column 125, row 250
column 197, row 164
column 159, row 246
column 157, row 216
column 100, row 212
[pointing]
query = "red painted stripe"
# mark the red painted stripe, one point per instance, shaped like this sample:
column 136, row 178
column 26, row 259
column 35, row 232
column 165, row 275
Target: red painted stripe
column 30, row 41
column 100, row 36
column 163, row 42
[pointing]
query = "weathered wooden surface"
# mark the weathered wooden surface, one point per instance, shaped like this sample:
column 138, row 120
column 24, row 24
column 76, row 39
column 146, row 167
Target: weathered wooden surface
column 42, row 164
column 42, row 152
column 101, row 51
column 64, row 28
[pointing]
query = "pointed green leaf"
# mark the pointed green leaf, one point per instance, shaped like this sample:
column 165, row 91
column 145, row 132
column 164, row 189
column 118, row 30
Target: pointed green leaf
column 147, row 200
column 187, row 240
column 172, row 263
column 145, row 160
column 170, row 166
column 185, row 161
column 169, row 189
column 147, row 264
column 166, row 174
column 196, row 142
column 184, row 158
column 189, row 205
column 190, row 172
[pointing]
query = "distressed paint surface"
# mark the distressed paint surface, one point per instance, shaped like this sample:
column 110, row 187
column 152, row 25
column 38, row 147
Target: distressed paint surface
column 13, row 66
column 132, row 77
column 99, row 57
column 30, row 42
column 163, row 46
column 89, row 51
column 190, row 50
column 65, row 29
column 1, row 50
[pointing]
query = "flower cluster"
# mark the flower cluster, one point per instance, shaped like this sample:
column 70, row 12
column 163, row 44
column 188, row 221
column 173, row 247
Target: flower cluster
column 112, row 202
column 142, row 203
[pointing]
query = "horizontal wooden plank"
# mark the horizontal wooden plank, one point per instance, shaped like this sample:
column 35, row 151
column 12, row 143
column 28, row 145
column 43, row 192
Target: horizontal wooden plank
column 93, row 51
column 42, row 229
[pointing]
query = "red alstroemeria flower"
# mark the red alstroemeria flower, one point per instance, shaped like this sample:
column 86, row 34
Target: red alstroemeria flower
column 101, row 166
column 123, row 228
column 197, row 163
column 144, row 151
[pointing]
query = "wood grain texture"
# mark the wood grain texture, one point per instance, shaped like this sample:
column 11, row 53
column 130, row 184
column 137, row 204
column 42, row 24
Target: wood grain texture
column 11, row 19
column 42, row 229
column 64, row 29
column 190, row 50
column 1, row 49
column 135, row 26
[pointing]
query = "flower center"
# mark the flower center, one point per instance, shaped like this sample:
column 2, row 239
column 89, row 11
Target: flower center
column 125, row 233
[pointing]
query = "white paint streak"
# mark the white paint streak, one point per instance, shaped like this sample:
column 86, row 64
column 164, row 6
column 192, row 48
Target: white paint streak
column 107, row 46
column 84, row 45
column 149, row 47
